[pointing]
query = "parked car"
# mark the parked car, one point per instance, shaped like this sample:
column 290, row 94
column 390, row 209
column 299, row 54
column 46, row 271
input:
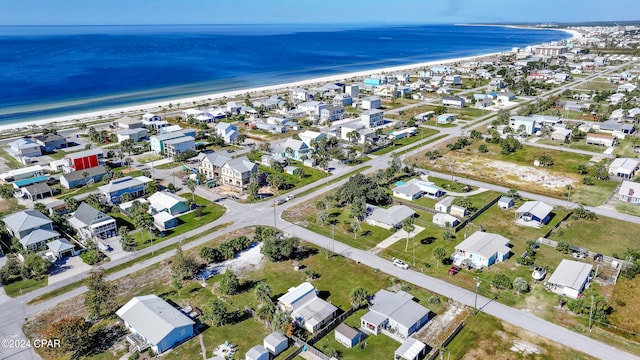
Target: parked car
column 454, row 270
column 290, row 197
column 280, row 201
column 401, row 264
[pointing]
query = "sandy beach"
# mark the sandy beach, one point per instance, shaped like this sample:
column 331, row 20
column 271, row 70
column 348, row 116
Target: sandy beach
column 115, row 113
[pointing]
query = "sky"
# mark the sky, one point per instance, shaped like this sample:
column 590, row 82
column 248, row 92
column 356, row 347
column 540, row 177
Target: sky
column 141, row 12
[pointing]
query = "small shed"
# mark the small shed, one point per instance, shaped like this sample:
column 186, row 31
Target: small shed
column 444, row 205
column 459, row 211
column 291, row 170
column 411, row 349
column 506, row 202
column 164, row 221
column 61, row 248
column 348, row 336
column 257, row 352
column 276, row 343
column 444, row 220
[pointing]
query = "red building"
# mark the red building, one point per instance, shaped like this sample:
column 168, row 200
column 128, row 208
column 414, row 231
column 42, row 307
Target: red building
column 84, row 160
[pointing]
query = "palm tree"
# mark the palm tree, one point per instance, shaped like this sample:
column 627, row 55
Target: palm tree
column 355, row 226
column 407, row 225
column 85, row 175
column 129, row 161
column 289, row 151
column 440, row 254
column 263, row 292
column 359, row 297
column 322, row 216
column 191, row 185
column 321, row 205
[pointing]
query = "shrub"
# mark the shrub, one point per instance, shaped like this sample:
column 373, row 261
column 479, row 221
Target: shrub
column 502, row 282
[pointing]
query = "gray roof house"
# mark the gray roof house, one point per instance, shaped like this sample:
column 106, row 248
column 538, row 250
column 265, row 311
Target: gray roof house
column 482, row 249
column 276, row 343
column 389, row 218
column 411, row 349
column 257, row 352
column 38, row 238
column 534, row 213
column 77, row 178
column 570, row 278
column 156, row 322
column 505, row 202
column 623, row 167
column 211, row 164
column 22, row 223
column 348, row 336
column 407, row 192
column 61, row 248
column 629, row 192
column 92, row 223
column 396, row 312
column 236, row 173
column 307, row 309
column 51, row 142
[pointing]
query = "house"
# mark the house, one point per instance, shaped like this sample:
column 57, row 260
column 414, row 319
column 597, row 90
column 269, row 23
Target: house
column 156, row 322
column 452, row 80
column 444, row 205
column 428, row 188
column 372, row 118
column 395, row 312
column 307, row 309
column 19, row 184
column 257, row 352
column 308, row 136
column 453, row 101
column 332, row 113
column 570, row 278
column 136, row 134
column 348, row 336
column 38, row 238
column 228, row 132
column 371, row 102
column 445, row 220
column 25, row 148
column 459, row 211
column 534, row 213
column 294, row 149
column 113, row 191
column 51, row 142
column 84, row 177
column 276, row 343
column 629, row 192
column 561, row 134
column 601, row 139
column 411, row 349
column 401, row 134
column 22, row 223
column 211, row 164
column 523, row 124
column 352, row 90
column 56, row 207
column 61, row 248
column 506, row 97
column 300, row 95
column 628, row 87
column 616, row 98
column 574, row 106
column 342, row 100
column 22, row 173
column 158, row 142
column 389, row 218
column 165, row 221
column 91, row 223
column 506, row 202
column 291, row 170
column 311, row 108
column 623, row 168
column 272, row 128
column 37, row 191
column 407, row 192
column 84, row 160
column 164, row 201
column 236, row 173
column 482, row 249
column 149, row 117
column 177, row 146
column 445, row 118
column 127, row 122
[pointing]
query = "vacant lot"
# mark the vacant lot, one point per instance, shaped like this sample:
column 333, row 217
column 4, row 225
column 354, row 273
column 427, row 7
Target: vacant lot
column 605, row 235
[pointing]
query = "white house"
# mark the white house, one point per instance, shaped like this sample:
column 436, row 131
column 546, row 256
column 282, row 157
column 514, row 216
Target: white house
column 407, row 192
column 91, row 223
column 371, row 102
column 453, row 101
column 444, row 205
column 276, row 343
column 623, row 167
column 629, row 192
column 411, row 349
column 534, row 213
column 257, row 352
column 155, row 322
column 396, row 312
column 570, row 278
column 228, row 132
column 308, row 136
column 389, row 218
column 307, row 309
column 506, row 202
column 482, row 249
column 445, row 220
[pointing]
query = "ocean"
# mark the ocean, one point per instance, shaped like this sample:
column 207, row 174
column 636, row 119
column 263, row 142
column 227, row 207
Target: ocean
column 50, row 71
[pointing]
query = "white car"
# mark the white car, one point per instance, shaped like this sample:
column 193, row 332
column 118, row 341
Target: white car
column 538, row 273
column 401, row 264
column 290, row 197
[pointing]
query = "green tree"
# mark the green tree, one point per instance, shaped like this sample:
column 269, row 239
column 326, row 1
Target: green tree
column 359, row 297
column 601, row 172
column 502, row 282
column 35, row 266
column 184, row 266
column 100, row 298
column 72, row 331
column 263, row 292
column 229, row 283
column 521, row 285
column 216, row 312
column 447, row 235
column 280, row 249
column 355, row 227
column 6, row 191
column 191, row 185
column 282, row 321
column 483, row 148
column 41, row 208
column 408, row 227
column 358, row 208
column 440, row 254
column 564, row 246
column 582, row 169
column 545, row 160
column 151, row 188
column 322, row 217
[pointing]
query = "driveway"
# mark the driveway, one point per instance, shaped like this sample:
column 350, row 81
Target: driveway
column 67, row 268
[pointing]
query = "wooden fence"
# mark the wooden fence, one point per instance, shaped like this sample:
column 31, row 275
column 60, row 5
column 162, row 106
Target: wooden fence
column 436, row 351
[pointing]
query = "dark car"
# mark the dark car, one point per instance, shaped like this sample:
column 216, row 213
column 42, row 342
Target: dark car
column 454, row 270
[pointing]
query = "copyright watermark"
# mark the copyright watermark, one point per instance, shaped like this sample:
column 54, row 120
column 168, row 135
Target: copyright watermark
column 27, row 343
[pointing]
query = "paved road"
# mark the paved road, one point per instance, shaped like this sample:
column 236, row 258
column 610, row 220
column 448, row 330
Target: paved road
column 15, row 310
column 573, row 151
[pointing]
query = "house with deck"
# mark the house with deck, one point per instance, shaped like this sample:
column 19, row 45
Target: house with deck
column 51, row 142
column 91, row 223
column 534, row 213
column 394, row 312
column 113, row 191
column 307, row 309
column 211, row 164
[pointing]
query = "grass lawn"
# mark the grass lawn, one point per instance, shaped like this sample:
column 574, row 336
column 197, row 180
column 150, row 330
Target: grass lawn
column 598, row 236
column 407, row 150
column 485, row 337
column 168, row 166
column 334, row 180
column 10, row 161
column 579, row 145
column 627, row 208
column 310, row 175
column 422, row 134
column 24, row 286
column 9, row 206
column 597, row 85
column 625, row 148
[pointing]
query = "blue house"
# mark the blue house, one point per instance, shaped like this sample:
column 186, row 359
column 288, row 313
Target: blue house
column 534, row 213
column 373, row 82
column 156, row 322
column 77, row 178
column 113, row 191
column 298, row 149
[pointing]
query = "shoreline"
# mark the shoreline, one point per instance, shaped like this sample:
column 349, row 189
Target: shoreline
column 103, row 115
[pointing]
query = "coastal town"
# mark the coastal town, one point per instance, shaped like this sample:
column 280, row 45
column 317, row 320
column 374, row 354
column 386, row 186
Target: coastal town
column 486, row 206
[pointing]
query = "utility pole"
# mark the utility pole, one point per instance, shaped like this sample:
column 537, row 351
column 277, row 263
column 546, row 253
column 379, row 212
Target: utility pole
column 591, row 313
column 475, row 303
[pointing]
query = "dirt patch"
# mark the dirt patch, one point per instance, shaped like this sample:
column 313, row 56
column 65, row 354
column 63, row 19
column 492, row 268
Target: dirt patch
column 525, row 348
column 438, row 328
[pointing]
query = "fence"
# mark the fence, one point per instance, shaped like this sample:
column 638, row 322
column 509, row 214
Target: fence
column 436, row 351
column 476, row 214
column 414, row 206
column 558, row 224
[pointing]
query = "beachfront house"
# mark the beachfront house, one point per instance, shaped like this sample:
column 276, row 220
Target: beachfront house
column 308, row 310
column 155, row 323
column 24, row 148
column 482, row 249
column 127, row 122
column 91, row 223
column 51, row 142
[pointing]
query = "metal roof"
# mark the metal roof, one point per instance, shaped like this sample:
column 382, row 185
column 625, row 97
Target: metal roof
column 485, row 244
column 25, row 220
column 410, row 349
column 536, row 208
column 398, row 306
column 572, row 274
column 391, row 216
column 38, row 236
column 152, row 317
column 87, row 215
column 60, row 245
